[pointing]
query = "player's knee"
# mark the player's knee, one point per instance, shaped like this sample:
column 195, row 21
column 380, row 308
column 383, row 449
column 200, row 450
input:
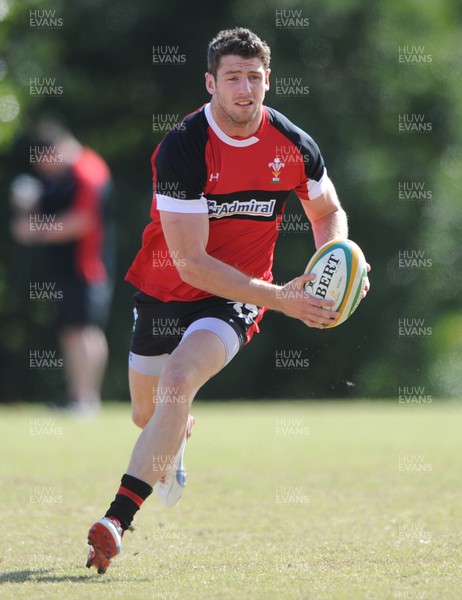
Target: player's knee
column 140, row 417
column 175, row 385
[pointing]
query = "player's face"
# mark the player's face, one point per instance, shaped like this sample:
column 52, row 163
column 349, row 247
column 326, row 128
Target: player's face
column 238, row 92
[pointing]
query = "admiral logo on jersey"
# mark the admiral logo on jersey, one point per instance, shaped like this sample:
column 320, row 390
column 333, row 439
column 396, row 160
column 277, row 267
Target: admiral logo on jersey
column 253, row 207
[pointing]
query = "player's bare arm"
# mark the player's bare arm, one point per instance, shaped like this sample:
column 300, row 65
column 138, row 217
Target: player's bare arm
column 327, row 217
column 187, row 235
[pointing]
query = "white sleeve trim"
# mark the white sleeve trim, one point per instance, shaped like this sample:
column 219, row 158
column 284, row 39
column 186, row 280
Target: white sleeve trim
column 170, row 204
column 318, row 188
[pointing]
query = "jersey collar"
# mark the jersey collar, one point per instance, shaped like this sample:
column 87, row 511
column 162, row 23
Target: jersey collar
column 228, row 139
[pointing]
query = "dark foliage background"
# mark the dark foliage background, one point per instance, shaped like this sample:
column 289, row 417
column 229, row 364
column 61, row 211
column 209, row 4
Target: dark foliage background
column 348, row 56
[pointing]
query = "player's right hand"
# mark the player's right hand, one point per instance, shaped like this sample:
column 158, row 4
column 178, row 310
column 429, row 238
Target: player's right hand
column 296, row 302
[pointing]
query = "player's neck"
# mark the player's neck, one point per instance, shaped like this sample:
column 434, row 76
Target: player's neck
column 233, row 129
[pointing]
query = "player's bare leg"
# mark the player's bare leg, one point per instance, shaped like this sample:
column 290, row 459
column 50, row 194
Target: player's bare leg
column 143, row 393
column 143, row 390
column 85, row 355
column 200, row 355
column 193, row 362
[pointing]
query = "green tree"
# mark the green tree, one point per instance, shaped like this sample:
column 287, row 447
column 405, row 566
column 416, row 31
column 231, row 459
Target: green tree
column 344, row 56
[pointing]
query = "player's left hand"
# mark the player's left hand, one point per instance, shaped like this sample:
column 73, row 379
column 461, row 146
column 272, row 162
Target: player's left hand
column 296, row 302
column 367, row 283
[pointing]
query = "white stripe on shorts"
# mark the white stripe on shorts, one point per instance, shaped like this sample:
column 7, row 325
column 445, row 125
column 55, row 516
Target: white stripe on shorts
column 147, row 365
column 152, row 365
column 220, row 328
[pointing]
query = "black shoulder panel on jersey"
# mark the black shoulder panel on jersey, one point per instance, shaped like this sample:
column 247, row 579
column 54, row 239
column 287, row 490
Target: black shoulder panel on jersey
column 312, row 158
column 180, row 168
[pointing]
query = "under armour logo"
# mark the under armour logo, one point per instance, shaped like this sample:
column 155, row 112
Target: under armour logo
column 214, row 176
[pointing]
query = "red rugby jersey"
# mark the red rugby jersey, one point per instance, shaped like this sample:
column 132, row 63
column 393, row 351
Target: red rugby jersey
column 242, row 184
column 91, row 176
column 84, row 188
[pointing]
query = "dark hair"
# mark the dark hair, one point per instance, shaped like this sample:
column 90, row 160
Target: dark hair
column 238, row 41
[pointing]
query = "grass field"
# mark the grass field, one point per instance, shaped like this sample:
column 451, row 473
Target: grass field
column 288, row 500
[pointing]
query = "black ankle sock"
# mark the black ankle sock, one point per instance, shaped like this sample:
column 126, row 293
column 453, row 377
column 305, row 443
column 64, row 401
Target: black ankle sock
column 130, row 496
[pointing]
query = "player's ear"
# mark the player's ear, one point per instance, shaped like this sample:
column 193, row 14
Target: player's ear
column 267, row 83
column 210, row 83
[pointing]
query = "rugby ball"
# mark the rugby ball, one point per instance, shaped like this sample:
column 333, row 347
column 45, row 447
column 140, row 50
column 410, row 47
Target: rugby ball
column 340, row 269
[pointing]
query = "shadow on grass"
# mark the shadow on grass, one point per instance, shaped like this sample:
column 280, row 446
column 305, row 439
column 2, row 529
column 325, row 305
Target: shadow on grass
column 45, row 576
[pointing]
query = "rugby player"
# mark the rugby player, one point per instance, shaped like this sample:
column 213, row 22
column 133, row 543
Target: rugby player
column 203, row 274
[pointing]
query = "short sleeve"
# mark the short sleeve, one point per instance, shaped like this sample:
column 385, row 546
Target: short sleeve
column 179, row 169
column 313, row 175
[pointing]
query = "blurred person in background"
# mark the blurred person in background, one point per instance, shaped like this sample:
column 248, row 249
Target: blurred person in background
column 66, row 208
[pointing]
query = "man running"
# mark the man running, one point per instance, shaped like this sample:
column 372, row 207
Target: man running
column 221, row 180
